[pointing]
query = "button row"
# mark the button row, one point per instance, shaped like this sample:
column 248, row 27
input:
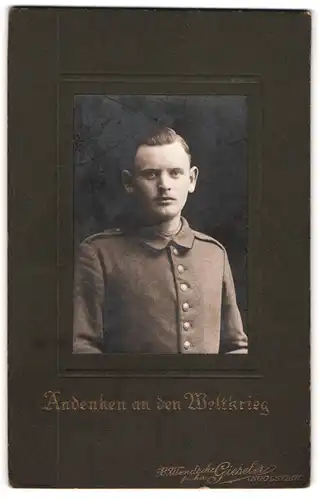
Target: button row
column 185, row 306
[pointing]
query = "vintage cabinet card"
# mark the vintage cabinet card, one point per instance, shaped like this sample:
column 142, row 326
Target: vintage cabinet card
column 158, row 248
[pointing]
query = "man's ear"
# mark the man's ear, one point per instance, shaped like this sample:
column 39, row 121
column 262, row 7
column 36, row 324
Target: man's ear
column 194, row 172
column 127, row 180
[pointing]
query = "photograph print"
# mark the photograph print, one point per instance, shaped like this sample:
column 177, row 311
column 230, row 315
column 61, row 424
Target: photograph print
column 160, row 224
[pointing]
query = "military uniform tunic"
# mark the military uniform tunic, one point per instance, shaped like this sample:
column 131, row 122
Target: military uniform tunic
column 145, row 293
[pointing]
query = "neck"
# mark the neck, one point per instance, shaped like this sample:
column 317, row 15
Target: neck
column 169, row 227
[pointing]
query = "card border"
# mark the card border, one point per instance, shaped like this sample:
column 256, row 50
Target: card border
column 139, row 365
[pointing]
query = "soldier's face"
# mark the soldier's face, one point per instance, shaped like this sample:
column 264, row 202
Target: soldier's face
column 162, row 179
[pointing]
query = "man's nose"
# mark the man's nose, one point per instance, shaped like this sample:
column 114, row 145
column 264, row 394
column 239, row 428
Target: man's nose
column 164, row 182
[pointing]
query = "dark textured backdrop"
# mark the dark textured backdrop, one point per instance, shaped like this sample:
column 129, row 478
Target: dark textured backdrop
column 106, row 131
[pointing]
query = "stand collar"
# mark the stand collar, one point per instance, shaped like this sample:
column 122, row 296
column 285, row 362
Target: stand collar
column 184, row 238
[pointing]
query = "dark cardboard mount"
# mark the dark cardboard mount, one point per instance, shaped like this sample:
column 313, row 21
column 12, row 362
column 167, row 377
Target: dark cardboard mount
column 56, row 53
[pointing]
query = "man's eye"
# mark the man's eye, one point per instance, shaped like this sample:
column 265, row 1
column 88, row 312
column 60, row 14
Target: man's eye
column 176, row 172
column 149, row 174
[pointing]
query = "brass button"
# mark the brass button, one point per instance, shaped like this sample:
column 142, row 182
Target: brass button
column 180, row 268
column 175, row 251
column 183, row 287
column 185, row 306
column 186, row 325
column 186, row 345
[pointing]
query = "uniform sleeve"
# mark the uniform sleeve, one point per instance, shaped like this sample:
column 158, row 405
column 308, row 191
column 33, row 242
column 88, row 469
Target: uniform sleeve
column 233, row 339
column 88, row 303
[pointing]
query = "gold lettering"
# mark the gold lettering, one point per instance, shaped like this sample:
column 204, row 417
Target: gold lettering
column 256, row 405
column 140, row 405
column 194, row 401
column 52, row 402
column 264, row 408
column 223, row 403
column 168, row 405
column 218, row 407
column 65, row 405
column 83, row 405
column 198, row 400
column 121, row 406
column 232, row 404
column 74, row 403
column 92, row 405
column 103, row 403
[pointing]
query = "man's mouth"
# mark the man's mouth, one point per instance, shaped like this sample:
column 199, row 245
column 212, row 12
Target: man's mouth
column 164, row 200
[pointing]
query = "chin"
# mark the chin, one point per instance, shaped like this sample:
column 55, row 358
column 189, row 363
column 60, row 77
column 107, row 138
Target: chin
column 165, row 214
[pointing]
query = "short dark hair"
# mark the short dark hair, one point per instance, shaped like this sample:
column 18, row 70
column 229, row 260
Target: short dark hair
column 164, row 136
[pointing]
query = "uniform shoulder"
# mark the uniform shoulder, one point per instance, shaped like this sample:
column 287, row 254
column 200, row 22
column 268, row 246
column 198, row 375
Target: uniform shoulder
column 209, row 239
column 108, row 233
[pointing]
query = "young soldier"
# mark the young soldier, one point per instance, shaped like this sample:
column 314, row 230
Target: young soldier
column 162, row 288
